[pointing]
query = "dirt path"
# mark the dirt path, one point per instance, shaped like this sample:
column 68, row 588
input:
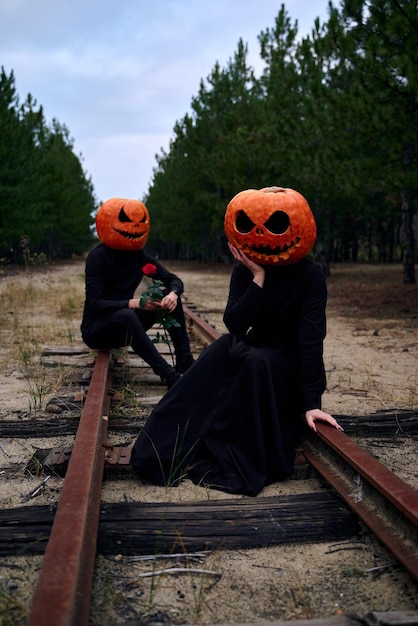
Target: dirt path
column 371, row 357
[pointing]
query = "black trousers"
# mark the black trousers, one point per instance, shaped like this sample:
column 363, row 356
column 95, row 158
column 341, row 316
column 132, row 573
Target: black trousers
column 127, row 327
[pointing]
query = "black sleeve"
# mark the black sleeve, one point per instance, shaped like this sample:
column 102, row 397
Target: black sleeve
column 244, row 301
column 97, row 272
column 312, row 331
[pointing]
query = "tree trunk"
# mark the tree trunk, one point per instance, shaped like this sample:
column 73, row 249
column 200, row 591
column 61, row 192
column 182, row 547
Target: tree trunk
column 408, row 238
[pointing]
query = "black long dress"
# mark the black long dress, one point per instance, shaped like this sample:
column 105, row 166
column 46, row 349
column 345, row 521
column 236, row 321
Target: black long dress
column 232, row 421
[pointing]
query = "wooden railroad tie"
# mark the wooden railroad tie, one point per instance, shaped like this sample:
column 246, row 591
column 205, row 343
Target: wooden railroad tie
column 118, row 458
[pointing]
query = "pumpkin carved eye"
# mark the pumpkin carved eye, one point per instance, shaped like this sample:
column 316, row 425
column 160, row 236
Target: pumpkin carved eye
column 124, row 218
column 243, row 223
column 271, row 226
column 278, row 223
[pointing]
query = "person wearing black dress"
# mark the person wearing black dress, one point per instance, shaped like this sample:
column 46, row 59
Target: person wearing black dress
column 233, row 421
column 112, row 317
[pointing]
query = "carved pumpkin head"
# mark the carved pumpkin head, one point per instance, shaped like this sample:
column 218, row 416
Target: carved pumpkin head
column 123, row 224
column 272, row 226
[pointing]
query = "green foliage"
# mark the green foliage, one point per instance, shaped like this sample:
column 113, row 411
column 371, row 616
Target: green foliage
column 333, row 115
column 154, row 292
column 163, row 317
column 46, row 201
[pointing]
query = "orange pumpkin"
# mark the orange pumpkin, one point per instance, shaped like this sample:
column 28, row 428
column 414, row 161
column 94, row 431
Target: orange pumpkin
column 123, row 224
column 272, row 226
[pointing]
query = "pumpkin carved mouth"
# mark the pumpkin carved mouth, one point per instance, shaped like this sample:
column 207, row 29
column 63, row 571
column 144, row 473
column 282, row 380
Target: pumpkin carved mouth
column 131, row 236
column 267, row 250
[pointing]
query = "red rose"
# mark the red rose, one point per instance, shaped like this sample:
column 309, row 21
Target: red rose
column 149, row 269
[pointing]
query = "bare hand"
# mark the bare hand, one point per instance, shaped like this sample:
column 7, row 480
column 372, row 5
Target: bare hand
column 316, row 414
column 169, row 302
column 151, row 305
column 258, row 271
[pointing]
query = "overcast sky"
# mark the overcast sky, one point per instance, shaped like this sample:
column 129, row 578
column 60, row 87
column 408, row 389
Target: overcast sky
column 120, row 74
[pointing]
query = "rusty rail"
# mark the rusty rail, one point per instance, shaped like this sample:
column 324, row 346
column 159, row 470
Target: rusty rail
column 199, row 327
column 63, row 590
column 387, row 505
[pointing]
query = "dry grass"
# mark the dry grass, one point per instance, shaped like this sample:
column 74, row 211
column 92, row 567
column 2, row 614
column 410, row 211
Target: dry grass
column 38, row 308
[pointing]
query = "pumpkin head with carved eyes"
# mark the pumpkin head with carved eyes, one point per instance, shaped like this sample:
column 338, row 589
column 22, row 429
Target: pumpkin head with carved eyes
column 272, row 226
column 123, row 224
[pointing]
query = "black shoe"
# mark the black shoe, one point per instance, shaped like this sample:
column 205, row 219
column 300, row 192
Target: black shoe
column 172, row 378
column 184, row 363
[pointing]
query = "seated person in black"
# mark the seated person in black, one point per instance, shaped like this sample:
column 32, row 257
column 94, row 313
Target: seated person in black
column 112, row 317
column 233, row 421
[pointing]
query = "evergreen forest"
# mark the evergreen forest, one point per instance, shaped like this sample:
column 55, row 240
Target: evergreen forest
column 47, row 202
column 333, row 115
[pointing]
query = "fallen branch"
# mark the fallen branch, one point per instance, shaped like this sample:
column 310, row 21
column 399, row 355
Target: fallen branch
column 180, row 570
column 179, row 555
column 37, row 489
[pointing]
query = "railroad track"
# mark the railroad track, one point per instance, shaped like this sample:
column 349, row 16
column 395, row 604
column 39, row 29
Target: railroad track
column 384, row 503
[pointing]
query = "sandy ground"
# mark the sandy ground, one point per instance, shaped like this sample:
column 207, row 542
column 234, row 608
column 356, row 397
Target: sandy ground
column 371, row 358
